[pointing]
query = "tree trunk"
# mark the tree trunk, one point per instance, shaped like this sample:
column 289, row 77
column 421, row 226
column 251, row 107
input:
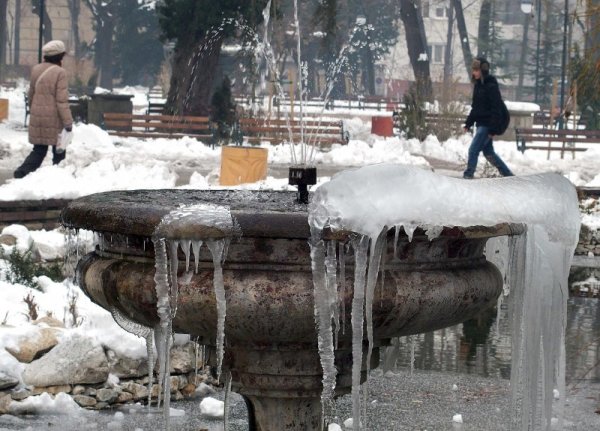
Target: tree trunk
column 74, row 10
column 524, row 47
column 192, row 81
column 448, row 56
column 17, row 33
column 464, row 36
column 104, row 43
column 3, row 35
column 416, row 42
column 483, row 33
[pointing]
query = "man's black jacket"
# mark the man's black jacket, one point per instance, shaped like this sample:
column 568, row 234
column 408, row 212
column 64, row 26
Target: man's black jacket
column 486, row 107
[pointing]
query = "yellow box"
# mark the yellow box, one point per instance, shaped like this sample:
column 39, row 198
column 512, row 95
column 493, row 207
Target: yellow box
column 241, row 165
column 3, row 109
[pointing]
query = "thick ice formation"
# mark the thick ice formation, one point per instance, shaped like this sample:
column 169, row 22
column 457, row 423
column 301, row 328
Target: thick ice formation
column 187, row 227
column 372, row 200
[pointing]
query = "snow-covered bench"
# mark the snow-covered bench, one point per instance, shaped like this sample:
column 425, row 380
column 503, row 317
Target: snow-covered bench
column 566, row 138
column 276, row 131
column 157, row 126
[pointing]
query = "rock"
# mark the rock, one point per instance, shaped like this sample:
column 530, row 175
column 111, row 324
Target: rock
column 49, row 321
column 77, row 360
column 91, row 392
column 52, row 389
column 182, row 358
column 78, row 390
column 7, row 381
column 124, row 367
column 100, row 406
column 20, row 395
column 7, row 239
column 85, row 401
column 177, row 396
column 107, row 395
column 138, row 391
column 124, row 397
column 188, row 390
column 34, row 344
column 5, row 401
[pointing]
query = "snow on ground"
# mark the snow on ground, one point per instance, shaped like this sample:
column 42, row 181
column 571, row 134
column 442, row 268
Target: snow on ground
column 99, row 162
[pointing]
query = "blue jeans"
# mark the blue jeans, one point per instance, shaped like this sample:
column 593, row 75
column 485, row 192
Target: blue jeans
column 483, row 143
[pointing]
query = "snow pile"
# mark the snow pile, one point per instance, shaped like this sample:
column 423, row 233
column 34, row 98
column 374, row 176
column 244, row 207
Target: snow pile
column 212, row 408
column 61, row 404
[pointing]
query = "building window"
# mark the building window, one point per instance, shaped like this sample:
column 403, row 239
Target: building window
column 436, row 53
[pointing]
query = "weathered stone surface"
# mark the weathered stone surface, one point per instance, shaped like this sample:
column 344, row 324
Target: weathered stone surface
column 100, row 406
column 5, row 401
column 177, row 396
column 20, row 395
column 34, row 344
column 126, row 368
column 49, row 321
column 138, row 391
column 8, row 239
column 85, row 401
column 7, row 381
column 107, row 395
column 124, row 397
column 52, row 389
column 77, row 360
column 90, row 392
column 188, row 390
column 182, row 358
column 78, row 390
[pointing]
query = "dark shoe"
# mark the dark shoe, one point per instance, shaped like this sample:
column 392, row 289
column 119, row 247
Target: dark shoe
column 466, row 177
column 19, row 174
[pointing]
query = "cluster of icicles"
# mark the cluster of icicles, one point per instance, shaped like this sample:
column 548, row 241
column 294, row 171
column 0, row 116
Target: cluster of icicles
column 535, row 266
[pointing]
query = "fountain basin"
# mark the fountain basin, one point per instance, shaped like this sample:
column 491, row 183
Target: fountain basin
column 270, row 335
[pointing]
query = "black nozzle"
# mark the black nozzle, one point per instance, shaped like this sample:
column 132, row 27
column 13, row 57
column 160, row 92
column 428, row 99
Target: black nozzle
column 302, row 177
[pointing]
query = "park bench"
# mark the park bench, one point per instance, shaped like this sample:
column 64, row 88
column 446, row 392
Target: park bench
column 156, row 101
column 157, row 126
column 543, row 139
column 78, row 108
column 276, row 131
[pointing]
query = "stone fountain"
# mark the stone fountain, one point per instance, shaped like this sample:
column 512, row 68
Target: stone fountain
column 271, row 347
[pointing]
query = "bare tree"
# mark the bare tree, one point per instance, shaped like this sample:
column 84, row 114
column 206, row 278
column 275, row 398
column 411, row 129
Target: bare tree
column 105, row 16
column 3, row 35
column 74, row 12
column 464, row 36
column 416, row 41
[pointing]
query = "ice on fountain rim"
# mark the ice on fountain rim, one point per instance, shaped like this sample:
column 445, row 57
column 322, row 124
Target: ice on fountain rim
column 366, row 199
column 198, row 221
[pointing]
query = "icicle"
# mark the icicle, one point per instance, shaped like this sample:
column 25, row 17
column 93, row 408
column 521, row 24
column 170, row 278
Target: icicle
column 373, row 272
column 331, row 270
column 216, row 248
column 342, row 261
column 185, row 246
column 410, row 231
column 196, row 244
column 174, row 266
column 150, row 355
column 323, row 316
column 360, row 243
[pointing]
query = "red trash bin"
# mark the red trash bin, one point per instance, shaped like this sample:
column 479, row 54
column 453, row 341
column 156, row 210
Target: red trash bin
column 382, row 126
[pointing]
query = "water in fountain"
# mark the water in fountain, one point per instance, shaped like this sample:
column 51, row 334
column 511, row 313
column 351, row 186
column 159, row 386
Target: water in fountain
column 539, row 260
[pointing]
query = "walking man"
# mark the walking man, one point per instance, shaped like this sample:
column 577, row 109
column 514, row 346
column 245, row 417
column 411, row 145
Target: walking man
column 487, row 113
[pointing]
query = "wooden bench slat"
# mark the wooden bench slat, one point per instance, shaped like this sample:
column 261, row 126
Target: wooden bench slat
column 153, row 135
column 154, row 125
column 163, row 118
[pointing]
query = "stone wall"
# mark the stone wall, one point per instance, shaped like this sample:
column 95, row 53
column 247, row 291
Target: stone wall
column 589, row 242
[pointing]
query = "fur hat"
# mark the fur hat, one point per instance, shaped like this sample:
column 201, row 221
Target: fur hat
column 480, row 63
column 52, row 48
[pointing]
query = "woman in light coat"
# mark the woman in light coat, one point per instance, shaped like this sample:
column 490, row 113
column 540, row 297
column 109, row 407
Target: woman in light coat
column 50, row 112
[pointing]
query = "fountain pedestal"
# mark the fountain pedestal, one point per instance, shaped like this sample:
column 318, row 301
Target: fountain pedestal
column 270, row 335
